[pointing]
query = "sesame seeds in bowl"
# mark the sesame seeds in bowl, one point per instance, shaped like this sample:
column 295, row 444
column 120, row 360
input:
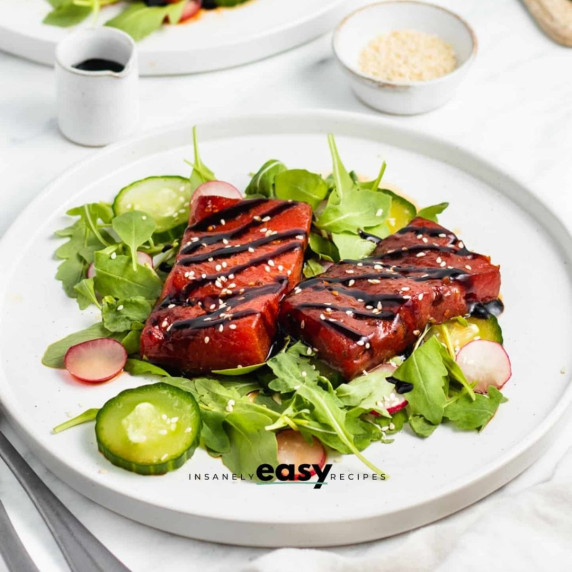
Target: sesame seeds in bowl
column 404, row 57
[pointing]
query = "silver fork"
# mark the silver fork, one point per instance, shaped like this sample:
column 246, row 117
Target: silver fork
column 83, row 552
column 13, row 551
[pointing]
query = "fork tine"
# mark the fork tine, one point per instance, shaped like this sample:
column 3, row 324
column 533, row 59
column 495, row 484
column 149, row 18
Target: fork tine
column 13, row 551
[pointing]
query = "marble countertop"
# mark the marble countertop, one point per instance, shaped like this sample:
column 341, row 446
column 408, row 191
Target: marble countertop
column 515, row 107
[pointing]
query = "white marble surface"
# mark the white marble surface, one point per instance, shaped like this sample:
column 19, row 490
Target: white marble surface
column 515, row 108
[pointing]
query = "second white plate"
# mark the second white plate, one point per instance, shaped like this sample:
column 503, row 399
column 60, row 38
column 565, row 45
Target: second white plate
column 217, row 39
column 429, row 478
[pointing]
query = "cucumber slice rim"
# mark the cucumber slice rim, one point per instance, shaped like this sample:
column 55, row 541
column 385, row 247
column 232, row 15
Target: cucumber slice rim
column 173, row 459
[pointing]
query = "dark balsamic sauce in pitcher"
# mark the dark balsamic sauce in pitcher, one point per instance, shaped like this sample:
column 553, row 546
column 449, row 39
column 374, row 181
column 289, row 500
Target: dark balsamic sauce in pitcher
column 99, row 65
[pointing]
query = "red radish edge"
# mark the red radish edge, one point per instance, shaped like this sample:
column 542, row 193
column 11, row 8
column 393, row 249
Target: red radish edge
column 485, row 363
column 191, row 9
column 217, row 189
column 389, row 368
column 144, row 259
column 293, row 449
column 91, row 270
column 96, row 361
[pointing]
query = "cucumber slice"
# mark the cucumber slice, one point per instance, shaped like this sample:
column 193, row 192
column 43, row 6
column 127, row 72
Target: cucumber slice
column 401, row 211
column 166, row 199
column 458, row 332
column 149, row 430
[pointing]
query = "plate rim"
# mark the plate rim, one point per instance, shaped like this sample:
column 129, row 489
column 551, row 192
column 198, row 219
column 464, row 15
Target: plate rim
column 515, row 459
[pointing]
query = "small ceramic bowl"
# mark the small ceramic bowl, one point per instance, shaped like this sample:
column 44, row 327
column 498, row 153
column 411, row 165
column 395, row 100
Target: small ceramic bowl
column 358, row 29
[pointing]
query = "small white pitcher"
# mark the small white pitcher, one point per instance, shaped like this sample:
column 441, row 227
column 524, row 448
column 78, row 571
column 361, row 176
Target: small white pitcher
column 96, row 108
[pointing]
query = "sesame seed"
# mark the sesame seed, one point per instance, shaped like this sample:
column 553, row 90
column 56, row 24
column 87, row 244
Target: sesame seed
column 379, row 212
column 203, row 276
column 367, row 346
column 425, row 240
column 468, row 267
column 304, row 374
column 222, row 221
column 113, row 255
column 256, row 218
column 267, row 268
column 461, row 244
column 420, row 254
column 250, row 249
column 302, row 324
column 225, row 241
column 207, row 339
column 289, row 272
column 212, row 306
column 349, row 271
column 309, row 351
column 322, row 317
column 218, row 267
column 419, row 236
column 391, row 426
column 120, row 307
column 351, row 282
column 374, row 281
column 443, row 264
column 349, row 313
column 280, row 267
column 263, row 229
column 221, row 328
column 164, row 324
column 421, row 296
column 232, row 326
column 195, row 239
column 169, row 306
column 297, row 290
column 300, row 237
column 360, row 343
column 271, row 263
column 210, row 259
column 442, row 235
column 405, row 288
column 360, row 264
column 266, row 219
column 438, row 260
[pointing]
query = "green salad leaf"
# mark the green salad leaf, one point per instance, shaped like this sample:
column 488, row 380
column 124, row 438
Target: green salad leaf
column 424, row 368
column 262, row 183
column 431, row 212
column 134, row 228
column 473, row 414
column 352, row 247
column 300, row 185
column 122, row 315
column 200, row 173
column 116, row 277
column 139, row 20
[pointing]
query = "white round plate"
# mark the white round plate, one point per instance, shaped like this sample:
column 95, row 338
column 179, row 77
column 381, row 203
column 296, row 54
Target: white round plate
column 217, row 39
column 430, row 478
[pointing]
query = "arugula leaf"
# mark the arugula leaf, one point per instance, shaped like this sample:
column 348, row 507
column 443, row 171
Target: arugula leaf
column 125, row 314
column 430, row 213
column 115, row 277
column 424, row 369
column 294, row 373
column 84, row 238
column 131, row 341
column 312, row 268
column 85, row 417
column 140, row 20
column 262, row 183
column 200, row 173
column 366, row 391
column 351, row 246
column 323, row 247
column 468, row 414
column 251, row 444
column 349, row 206
column 66, row 14
column 421, row 427
column 236, row 371
column 134, row 228
column 54, row 355
column 300, row 185
column 86, row 296
column 141, row 367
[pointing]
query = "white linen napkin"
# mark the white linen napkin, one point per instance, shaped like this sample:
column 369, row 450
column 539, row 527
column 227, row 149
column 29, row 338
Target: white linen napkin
column 515, row 529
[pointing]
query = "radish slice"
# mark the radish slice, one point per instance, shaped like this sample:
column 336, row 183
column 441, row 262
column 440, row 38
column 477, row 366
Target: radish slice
column 394, row 402
column 91, row 270
column 293, row 449
column 144, row 259
column 485, row 363
column 216, row 189
column 190, row 9
column 96, row 360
